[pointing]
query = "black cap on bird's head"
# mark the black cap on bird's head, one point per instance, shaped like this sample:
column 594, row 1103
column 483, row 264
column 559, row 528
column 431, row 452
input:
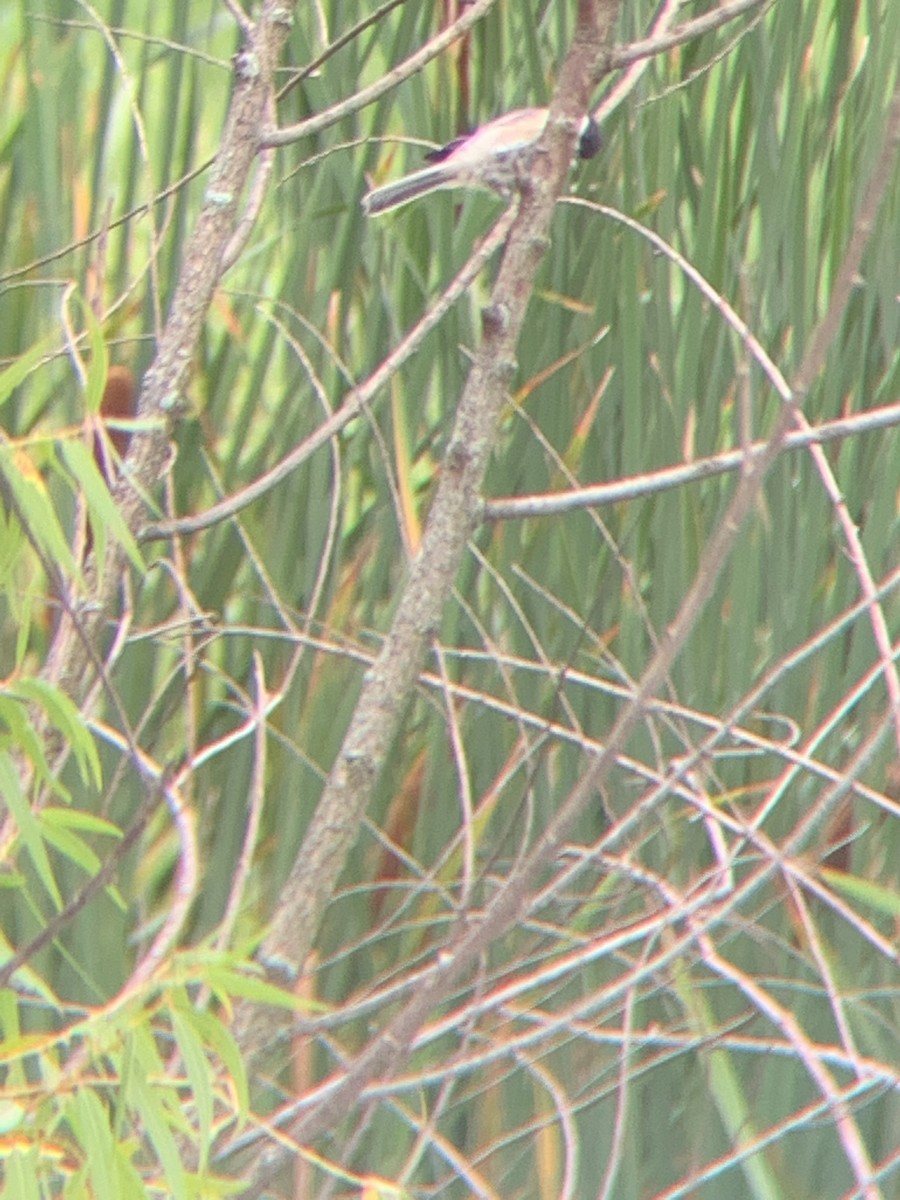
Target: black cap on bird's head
column 590, row 141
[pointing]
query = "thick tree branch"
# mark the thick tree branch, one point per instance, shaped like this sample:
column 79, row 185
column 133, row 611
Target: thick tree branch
column 163, row 387
column 388, row 685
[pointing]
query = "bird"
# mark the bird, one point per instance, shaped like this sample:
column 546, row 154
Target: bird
column 487, row 158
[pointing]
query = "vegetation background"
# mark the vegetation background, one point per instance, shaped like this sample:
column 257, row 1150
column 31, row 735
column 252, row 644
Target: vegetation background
column 614, row 910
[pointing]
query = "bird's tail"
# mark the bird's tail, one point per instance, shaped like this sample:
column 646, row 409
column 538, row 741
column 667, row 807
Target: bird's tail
column 393, row 195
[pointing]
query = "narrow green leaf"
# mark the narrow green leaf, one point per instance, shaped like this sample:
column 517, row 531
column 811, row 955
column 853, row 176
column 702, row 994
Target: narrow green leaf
column 21, row 1176
column 68, row 720
column 99, row 365
column 35, row 507
column 77, row 818
column 19, row 370
column 226, row 984
column 72, row 847
column 220, row 1040
column 27, row 825
column 89, row 1119
column 24, row 737
column 26, row 979
column 156, row 1118
column 199, row 1076
column 101, row 506
column 885, row 900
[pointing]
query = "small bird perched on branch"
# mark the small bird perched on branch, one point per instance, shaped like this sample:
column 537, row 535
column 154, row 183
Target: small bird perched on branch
column 487, row 158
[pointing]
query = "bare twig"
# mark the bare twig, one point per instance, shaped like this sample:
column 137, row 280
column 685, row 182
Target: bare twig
column 516, row 508
column 438, row 44
column 358, row 400
column 357, row 765
column 388, row 683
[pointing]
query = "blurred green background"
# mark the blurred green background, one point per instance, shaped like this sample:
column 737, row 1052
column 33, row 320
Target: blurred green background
column 746, row 150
